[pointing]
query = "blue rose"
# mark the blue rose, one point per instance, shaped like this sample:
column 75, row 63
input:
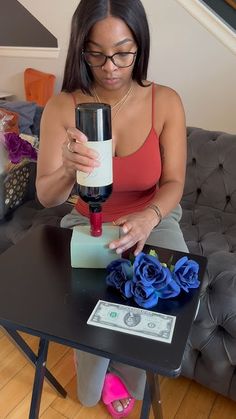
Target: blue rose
column 171, row 290
column 186, row 273
column 145, row 296
column 126, row 288
column 120, row 274
column 147, row 279
column 149, row 271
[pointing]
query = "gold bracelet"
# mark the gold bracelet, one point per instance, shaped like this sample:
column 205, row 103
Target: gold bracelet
column 157, row 211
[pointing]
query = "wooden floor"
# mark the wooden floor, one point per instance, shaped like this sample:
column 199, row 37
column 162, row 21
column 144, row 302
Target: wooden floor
column 181, row 398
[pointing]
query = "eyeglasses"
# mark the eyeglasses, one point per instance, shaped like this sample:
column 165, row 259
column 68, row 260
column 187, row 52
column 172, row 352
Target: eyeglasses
column 119, row 59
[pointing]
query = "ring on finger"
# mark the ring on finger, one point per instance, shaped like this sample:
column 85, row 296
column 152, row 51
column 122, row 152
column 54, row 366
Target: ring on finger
column 69, row 147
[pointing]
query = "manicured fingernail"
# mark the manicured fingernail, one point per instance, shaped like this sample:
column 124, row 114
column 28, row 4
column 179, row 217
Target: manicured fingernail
column 111, row 246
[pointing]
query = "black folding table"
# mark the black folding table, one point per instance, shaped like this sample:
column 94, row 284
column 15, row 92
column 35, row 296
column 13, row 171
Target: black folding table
column 42, row 295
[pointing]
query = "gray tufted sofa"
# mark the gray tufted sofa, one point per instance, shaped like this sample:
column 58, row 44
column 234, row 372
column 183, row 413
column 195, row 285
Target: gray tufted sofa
column 209, row 228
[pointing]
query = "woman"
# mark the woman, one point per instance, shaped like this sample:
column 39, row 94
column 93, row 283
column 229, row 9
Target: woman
column 107, row 62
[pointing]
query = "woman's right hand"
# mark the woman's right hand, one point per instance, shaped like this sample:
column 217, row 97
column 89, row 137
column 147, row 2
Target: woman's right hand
column 77, row 155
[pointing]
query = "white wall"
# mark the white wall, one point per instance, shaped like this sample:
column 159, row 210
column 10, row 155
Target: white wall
column 188, row 58
column 55, row 15
column 184, row 56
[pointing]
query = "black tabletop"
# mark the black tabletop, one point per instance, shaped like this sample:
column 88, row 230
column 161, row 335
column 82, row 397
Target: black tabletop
column 41, row 294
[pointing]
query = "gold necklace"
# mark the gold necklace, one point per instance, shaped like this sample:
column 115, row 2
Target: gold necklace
column 118, row 104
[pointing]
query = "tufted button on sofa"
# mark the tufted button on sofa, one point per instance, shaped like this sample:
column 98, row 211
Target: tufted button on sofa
column 209, row 228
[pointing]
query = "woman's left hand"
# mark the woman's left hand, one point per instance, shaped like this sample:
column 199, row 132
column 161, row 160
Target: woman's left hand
column 136, row 228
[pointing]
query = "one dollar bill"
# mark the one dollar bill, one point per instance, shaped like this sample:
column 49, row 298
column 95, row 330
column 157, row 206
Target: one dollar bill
column 132, row 320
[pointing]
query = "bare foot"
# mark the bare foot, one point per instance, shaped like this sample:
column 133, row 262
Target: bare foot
column 120, row 405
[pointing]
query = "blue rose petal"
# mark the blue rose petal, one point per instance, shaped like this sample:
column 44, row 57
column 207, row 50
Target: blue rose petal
column 120, row 264
column 147, row 302
column 170, row 291
column 119, row 271
column 127, row 289
column 180, row 262
column 149, row 271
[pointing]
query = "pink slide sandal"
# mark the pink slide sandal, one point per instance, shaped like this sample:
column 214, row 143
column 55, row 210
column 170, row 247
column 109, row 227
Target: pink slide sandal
column 114, row 389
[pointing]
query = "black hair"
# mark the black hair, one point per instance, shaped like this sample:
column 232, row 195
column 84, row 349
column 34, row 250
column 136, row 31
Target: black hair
column 77, row 74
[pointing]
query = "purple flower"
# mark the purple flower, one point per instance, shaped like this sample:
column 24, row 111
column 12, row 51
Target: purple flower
column 13, row 146
column 27, row 151
column 149, row 271
column 186, row 273
column 18, row 149
column 120, row 274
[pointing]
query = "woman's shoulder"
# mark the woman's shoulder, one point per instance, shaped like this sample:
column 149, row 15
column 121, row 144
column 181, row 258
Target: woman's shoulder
column 162, row 92
column 65, row 99
column 167, row 97
column 166, row 92
column 60, row 100
column 168, row 105
column 62, row 105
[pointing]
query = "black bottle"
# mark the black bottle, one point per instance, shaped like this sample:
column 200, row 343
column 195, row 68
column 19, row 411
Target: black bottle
column 94, row 120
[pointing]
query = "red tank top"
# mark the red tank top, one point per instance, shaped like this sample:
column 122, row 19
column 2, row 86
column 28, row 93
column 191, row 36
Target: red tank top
column 135, row 178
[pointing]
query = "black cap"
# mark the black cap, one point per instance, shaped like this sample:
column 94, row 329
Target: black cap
column 94, row 120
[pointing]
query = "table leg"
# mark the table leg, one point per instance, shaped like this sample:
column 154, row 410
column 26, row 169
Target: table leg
column 30, row 355
column 152, row 397
column 38, row 379
column 146, row 405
